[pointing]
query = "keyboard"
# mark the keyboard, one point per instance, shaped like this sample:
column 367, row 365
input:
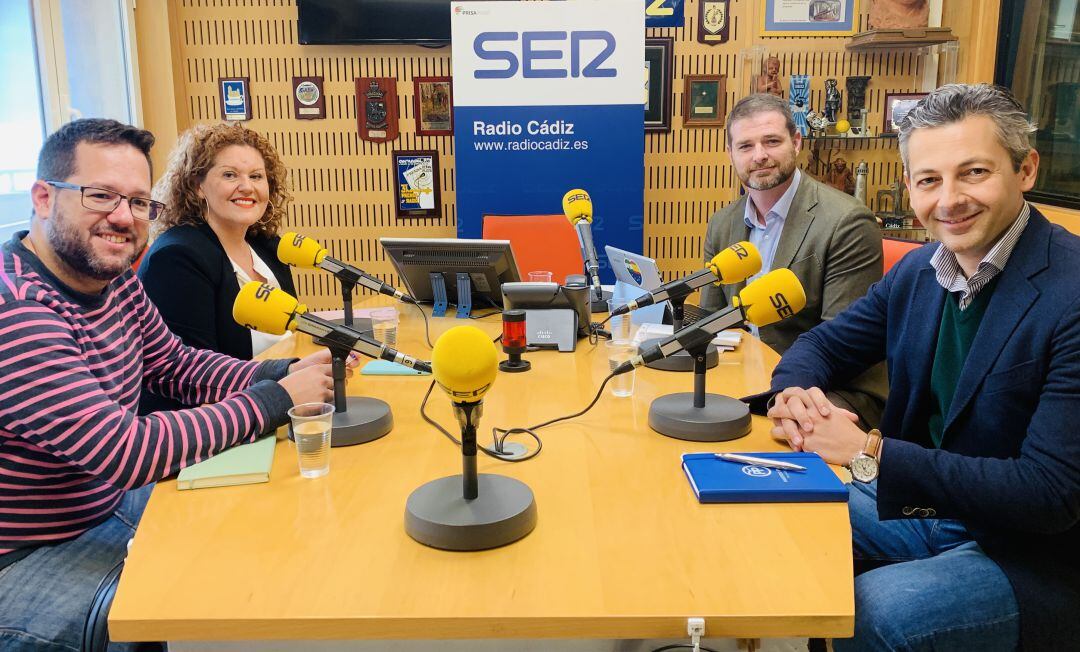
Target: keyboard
column 692, row 313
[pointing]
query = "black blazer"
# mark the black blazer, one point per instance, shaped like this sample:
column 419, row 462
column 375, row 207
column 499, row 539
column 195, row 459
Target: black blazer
column 190, row 279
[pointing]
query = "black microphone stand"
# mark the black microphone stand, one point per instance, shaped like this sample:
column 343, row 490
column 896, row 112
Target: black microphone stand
column 357, row 419
column 491, row 510
column 683, row 360
column 697, row 415
column 347, row 288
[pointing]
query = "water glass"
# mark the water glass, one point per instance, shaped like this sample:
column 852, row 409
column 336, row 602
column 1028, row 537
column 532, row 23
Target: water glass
column 619, row 351
column 384, row 325
column 312, row 424
column 621, row 327
column 540, row 277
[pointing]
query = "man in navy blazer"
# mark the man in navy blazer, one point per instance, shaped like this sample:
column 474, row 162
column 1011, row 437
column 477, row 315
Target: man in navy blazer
column 966, row 504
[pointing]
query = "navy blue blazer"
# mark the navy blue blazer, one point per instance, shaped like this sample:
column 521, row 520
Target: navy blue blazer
column 1009, row 463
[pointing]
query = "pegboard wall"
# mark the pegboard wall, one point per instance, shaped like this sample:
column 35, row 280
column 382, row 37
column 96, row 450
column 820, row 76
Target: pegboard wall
column 343, row 185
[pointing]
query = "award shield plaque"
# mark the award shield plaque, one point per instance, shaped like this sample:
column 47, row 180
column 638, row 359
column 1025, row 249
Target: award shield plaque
column 309, row 103
column 713, row 21
column 376, row 108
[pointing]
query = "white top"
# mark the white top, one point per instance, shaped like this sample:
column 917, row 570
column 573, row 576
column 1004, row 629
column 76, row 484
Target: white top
column 259, row 341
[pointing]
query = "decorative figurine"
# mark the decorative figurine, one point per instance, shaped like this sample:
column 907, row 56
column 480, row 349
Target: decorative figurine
column 899, row 14
column 769, row 79
column 856, row 107
column 818, row 124
column 832, row 100
column 839, row 176
column 800, row 102
column 860, row 181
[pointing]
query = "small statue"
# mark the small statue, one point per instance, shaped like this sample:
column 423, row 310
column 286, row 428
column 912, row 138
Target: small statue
column 861, row 173
column 832, row 100
column 839, row 176
column 769, row 79
column 800, row 102
column 818, row 124
column 856, row 88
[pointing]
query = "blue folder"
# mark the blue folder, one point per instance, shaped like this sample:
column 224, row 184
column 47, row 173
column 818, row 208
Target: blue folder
column 719, row 481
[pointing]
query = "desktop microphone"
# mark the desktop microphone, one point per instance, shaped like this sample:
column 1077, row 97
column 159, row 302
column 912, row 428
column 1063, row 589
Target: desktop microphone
column 465, row 362
column 261, row 307
column 736, row 263
column 301, row 251
column 771, row 298
column 578, row 208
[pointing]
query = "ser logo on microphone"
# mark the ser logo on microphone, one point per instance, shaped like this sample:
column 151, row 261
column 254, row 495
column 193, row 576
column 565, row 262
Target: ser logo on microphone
column 741, row 252
column 263, row 293
column 782, row 305
column 298, row 240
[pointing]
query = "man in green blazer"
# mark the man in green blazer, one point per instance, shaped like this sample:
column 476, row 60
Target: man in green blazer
column 830, row 240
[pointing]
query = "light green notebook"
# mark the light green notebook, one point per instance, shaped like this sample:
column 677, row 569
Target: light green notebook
column 246, row 464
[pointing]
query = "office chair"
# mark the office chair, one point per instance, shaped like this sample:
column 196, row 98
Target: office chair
column 540, row 242
column 96, row 629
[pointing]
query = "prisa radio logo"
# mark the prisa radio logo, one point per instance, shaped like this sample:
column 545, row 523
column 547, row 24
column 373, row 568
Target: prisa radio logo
column 520, row 51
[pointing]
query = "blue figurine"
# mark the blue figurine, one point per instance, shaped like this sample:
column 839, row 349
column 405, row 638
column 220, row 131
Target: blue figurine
column 799, row 98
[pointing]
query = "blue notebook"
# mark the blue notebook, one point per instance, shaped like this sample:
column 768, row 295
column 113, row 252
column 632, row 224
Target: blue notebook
column 719, row 481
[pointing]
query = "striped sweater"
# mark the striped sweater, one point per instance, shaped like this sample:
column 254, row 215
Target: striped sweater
column 71, row 369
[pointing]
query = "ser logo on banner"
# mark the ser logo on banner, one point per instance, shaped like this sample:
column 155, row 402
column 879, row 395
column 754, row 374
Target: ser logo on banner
column 531, row 49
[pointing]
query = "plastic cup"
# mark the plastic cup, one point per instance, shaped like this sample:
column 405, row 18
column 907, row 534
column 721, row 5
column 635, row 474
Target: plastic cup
column 540, row 277
column 312, row 424
column 384, row 325
column 622, row 326
column 619, row 351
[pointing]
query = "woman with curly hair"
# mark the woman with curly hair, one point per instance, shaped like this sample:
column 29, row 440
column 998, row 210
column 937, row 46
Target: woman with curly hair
column 225, row 188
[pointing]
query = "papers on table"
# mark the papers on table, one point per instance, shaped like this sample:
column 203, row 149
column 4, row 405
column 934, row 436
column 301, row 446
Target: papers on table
column 724, row 340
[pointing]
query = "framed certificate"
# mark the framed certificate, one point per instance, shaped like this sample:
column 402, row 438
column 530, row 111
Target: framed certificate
column 416, row 183
column 704, row 100
column 658, row 54
column 235, row 98
column 433, row 104
column 897, row 106
column 809, row 17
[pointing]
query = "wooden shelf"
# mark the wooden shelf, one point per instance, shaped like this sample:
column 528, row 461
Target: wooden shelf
column 891, row 39
column 837, row 137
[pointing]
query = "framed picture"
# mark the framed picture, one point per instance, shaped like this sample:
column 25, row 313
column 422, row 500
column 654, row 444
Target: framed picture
column 658, row 56
column 433, row 104
column 897, row 106
column 416, row 183
column 235, row 98
column 703, row 100
column 809, row 17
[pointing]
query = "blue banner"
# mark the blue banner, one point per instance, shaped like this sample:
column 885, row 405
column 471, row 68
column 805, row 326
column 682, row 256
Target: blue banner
column 664, row 13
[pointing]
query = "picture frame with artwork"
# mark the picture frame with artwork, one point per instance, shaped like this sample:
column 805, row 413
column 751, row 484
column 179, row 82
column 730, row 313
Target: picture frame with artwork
column 416, row 183
column 809, row 17
column 704, row 100
column 658, row 57
column 433, row 106
column 896, row 107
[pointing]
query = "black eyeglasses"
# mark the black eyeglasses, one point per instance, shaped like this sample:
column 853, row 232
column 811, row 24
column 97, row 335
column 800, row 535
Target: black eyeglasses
column 106, row 201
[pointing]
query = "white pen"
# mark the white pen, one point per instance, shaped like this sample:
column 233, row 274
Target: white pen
column 759, row 461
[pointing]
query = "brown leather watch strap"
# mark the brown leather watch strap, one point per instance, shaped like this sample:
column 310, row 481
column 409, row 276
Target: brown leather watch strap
column 873, row 443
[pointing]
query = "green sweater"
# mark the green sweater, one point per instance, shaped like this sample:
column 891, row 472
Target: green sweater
column 955, row 336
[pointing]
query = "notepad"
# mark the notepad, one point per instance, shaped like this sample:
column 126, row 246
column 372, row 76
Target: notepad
column 245, row 464
column 719, row 481
column 387, row 368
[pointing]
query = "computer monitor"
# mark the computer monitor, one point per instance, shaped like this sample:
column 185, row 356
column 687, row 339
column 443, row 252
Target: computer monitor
column 489, row 264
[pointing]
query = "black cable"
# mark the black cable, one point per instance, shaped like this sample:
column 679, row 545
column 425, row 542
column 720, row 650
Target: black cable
column 499, row 435
column 683, row 646
column 427, row 326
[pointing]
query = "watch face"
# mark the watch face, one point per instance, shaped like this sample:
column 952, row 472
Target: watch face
column 864, row 468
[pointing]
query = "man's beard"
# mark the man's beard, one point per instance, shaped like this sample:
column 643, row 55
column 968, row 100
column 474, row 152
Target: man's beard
column 78, row 255
column 782, row 174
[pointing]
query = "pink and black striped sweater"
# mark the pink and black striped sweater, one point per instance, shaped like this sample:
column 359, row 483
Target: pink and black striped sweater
column 71, row 369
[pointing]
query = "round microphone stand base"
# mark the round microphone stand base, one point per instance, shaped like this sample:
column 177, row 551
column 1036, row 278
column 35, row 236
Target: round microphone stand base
column 437, row 515
column 599, row 305
column 722, row 419
column 366, row 419
column 681, row 361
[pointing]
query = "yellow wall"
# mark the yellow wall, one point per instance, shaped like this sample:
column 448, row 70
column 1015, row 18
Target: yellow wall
column 343, row 185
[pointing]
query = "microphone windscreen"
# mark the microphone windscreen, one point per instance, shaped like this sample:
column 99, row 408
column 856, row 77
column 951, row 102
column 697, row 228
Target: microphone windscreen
column 300, row 251
column 772, row 298
column 737, row 263
column 464, row 362
column 577, row 205
column 263, row 308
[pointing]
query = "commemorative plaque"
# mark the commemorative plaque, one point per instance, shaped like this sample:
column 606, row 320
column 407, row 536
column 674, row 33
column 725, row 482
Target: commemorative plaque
column 376, row 108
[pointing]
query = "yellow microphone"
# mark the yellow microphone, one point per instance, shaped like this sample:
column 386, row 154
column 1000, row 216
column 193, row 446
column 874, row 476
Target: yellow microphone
column 577, row 206
column 465, row 363
column 301, row 251
column 267, row 309
column 735, row 263
column 769, row 299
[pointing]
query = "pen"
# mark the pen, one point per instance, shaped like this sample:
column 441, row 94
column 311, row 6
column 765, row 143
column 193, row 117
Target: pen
column 759, row 461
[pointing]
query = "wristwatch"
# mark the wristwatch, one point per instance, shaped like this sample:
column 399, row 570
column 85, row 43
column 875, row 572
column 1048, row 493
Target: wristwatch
column 864, row 466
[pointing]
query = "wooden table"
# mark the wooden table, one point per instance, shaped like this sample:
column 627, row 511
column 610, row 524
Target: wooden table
column 622, row 548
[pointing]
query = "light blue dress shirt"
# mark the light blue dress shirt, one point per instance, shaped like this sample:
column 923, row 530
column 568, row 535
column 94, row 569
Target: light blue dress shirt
column 765, row 238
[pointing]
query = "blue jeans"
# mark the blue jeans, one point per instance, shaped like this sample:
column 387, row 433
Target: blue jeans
column 941, row 592
column 45, row 598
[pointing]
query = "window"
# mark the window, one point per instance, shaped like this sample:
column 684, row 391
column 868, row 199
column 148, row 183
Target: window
column 1039, row 59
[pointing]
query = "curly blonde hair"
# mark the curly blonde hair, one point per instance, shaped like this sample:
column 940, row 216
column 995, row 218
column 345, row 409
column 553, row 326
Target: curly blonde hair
column 192, row 159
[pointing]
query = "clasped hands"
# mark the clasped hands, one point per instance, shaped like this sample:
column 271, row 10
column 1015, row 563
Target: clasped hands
column 311, row 379
column 808, row 421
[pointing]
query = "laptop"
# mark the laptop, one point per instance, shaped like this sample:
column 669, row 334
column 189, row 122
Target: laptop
column 635, row 275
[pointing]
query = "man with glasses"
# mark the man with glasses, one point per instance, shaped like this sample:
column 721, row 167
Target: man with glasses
column 79, row 338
